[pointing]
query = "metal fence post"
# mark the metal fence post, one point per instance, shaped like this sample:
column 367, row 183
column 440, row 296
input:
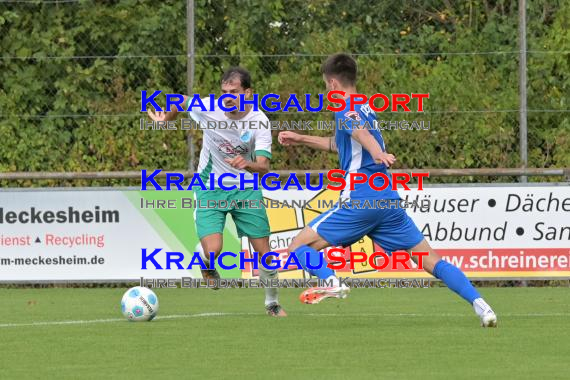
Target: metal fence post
column 523, row 131
column 190, row 72
column 523, row 143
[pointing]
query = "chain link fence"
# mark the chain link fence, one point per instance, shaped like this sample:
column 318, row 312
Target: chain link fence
column 71, row 73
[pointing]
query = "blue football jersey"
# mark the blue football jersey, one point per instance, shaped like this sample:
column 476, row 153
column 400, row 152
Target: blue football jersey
column 354, row 158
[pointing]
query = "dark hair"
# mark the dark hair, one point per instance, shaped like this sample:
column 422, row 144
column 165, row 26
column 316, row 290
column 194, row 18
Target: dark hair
column 342, row 67
column 241, row 73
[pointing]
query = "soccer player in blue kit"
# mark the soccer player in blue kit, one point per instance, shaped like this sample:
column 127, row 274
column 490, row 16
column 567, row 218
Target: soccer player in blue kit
column 362, row 150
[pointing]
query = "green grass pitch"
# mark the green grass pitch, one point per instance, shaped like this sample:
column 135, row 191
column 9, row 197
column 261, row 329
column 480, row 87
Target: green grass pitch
column 373, row 334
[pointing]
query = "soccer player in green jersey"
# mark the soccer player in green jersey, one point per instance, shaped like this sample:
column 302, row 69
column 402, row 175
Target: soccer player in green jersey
column 244, row 150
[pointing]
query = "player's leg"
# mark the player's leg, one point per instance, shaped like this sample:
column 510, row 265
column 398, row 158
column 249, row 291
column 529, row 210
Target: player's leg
column 396, row 230
column 272, row 306
column 336, row 227
column 210, row 244
column 455, row 280
column 210, row 225
column 307, row 245
column 254, row 223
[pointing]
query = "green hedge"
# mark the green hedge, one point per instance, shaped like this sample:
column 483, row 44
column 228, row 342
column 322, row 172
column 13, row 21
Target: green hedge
column 244, row 32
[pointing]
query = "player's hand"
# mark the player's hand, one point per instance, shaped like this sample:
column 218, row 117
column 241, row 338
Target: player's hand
column 288, row 138
column 158, row 116
column 237, row 162
column 385, row 158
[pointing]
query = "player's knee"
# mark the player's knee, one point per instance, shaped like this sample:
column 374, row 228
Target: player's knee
column 428, row 260
column 212, row 247
column 295, row 243
column 292, row 246
column 306, row 237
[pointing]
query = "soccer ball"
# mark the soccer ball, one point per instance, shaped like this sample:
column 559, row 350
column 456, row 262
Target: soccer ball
column 139, row 304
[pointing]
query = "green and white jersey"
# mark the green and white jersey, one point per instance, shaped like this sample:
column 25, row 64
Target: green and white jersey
column 226, row 138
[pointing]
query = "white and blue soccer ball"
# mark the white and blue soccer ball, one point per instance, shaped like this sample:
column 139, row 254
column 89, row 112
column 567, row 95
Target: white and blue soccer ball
column 139, row 304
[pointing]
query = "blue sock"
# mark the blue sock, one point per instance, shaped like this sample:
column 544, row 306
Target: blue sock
column 315, row 258
column 455, row 280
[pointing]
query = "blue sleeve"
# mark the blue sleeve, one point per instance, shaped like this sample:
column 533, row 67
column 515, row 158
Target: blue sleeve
column 348, row 121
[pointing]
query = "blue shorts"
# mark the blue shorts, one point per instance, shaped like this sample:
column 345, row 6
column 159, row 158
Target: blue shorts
column 391, row 228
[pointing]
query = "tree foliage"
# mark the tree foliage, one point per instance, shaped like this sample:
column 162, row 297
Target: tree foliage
column 125, row 46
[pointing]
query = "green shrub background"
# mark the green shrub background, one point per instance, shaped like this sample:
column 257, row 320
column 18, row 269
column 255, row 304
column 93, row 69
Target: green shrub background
column 283, row 44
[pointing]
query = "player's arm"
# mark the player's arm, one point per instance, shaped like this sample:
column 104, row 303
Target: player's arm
column 368, row 142
column 260, row 165
column 166, row 115
column 262, row 150
column 316, row 142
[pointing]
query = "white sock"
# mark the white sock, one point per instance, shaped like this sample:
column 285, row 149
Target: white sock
column 271, row 294
column 481, row 307
column 334, row 280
